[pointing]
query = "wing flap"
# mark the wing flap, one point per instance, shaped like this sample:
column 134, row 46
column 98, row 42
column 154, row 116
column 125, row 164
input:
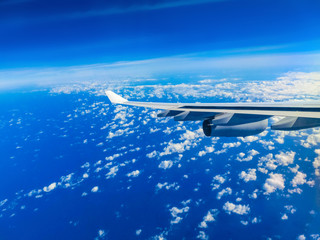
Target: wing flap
column 295, row 123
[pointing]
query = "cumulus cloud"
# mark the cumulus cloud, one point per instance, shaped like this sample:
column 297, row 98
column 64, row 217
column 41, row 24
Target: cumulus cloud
column 111, row 158
column 251, row 153
column 249, row 139
column 223, row 192
column 166, row 164
column 152, row 154
column 135, row 173
column 138, row 232
column 231, row 145
column 177, row 213
column 3, row 202
column 207, row 150
column 112, row 172
column 167, row 186
column 316, row 162
column 285, row 158
column 101, row 234
column 217, row 181
column 301, row 237
column 95, row 189
column 299, row 179
column 210, row 217
column 312, row 140
column 253, row 195
column 290, row 209
column 274, row 182
column 85, row 175
column 202, row 236
column 236, row 208
column 50, row 187
column 249, row 175
column 175, row 148
column 188, row 140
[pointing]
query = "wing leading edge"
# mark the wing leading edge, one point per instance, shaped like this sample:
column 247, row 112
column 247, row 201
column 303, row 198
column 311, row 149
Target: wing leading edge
column 234, row 119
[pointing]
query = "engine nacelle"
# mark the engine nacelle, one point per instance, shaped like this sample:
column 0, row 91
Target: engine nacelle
column 240, row 130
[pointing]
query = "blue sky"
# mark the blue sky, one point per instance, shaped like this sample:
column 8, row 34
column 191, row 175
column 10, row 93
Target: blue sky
column 66, row 33
column 43, row 40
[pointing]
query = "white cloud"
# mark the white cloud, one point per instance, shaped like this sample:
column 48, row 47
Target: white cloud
column 299, row 179
column 255, row 220
column 112, row 172
column 249, row 157
column 312, row 140
column 174, row 148
column 188, row 135
column 85, row 175
column 50, row 187
column 245, row 223
column 281, row 159
column 188, row 139
column 290, row 209
column 166, row 164
column 101, row 235
column 231, row 145
column 250, row 175
column 95, row 189
column 227, row 191
column 254, row 195
column 167, row 186
column 111, row 158
column 284, row 217
column 210, row 217
column 202, row 236
column 236, row 208
column 3, row 202
column 207, row 150
column 249, row 139
column 152, row 154
column 316, row 162
column 285, row 158
column 301, row 237
column 135, row 173
column 176, row 214
column 217, row 181
column 274, row 182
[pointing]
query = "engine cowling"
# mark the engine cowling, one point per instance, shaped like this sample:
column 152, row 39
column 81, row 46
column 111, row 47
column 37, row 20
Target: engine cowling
column 239, row 130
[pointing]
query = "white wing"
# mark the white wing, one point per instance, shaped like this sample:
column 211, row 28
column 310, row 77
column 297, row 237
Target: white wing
column 227, row 117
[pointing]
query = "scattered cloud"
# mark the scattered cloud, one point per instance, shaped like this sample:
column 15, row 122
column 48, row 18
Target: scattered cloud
column 166, row 164
column 95, row 189
column 210, row 217
column 223, row 192
column 51, row 187
column 299, row 179
column 249, row 175
column 236, row 208
column 274, row 182
column 177, row 213
column 135, row 173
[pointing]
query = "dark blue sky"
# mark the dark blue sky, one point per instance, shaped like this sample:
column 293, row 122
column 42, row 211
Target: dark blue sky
column 67, row 32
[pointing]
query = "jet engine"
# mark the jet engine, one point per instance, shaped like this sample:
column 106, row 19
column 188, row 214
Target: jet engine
column 239, row 130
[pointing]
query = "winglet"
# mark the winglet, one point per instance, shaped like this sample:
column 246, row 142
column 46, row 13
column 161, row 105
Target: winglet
column 115, row 98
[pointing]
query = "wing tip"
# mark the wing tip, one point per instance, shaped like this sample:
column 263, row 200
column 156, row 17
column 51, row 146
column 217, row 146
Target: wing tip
column 115, row 98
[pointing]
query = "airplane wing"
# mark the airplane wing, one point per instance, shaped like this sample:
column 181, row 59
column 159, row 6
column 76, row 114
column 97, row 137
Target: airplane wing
column 234, row 119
